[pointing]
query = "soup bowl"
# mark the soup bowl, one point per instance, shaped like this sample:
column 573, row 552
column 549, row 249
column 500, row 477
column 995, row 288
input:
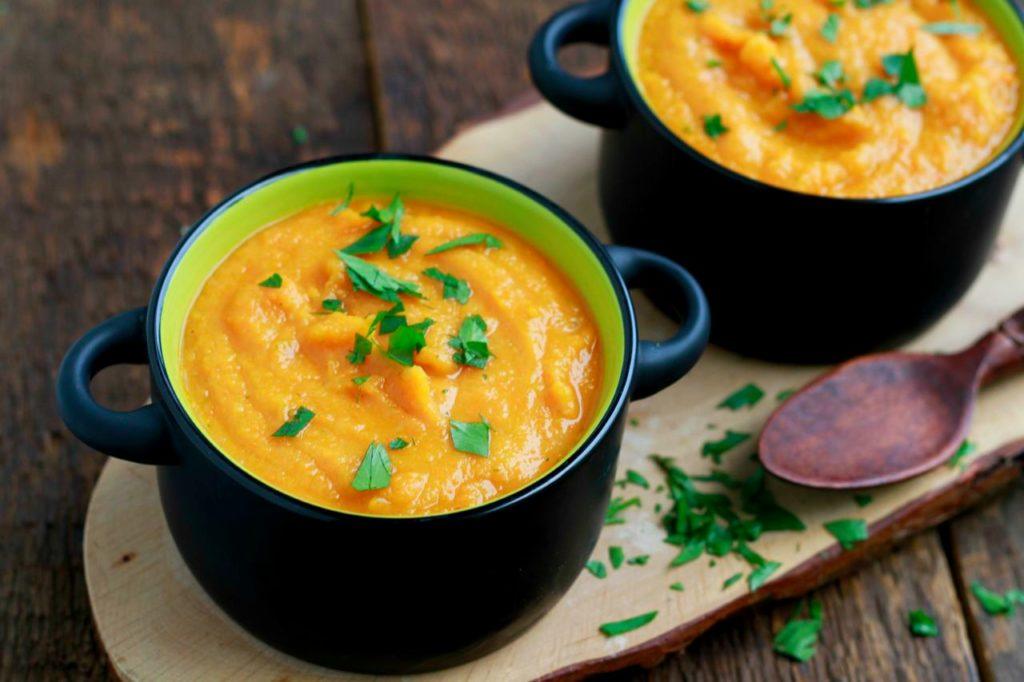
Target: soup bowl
column 790, row 276
column 380, row 593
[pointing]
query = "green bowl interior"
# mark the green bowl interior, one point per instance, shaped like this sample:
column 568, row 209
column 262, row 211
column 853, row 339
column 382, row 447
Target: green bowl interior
column 1002, row 14
column 278, row 197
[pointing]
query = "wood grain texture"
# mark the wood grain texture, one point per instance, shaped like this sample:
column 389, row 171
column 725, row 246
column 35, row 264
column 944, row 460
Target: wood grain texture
column 119, row 123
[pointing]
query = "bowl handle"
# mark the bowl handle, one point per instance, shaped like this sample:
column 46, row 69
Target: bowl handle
column 137, row 436
column 661, row 363
column 599, row 100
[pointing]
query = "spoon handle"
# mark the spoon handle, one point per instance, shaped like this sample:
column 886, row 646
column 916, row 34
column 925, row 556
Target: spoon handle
column 1001, row 350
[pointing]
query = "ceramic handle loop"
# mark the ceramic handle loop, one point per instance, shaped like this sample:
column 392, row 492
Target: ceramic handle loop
column 599, row 100
column 661, row 363
column 137, row 436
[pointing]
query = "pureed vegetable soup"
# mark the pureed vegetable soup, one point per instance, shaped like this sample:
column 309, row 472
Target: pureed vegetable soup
column 850, row 98
column 391, row 358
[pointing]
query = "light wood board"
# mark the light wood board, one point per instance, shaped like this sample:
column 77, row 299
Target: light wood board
column 156, row 623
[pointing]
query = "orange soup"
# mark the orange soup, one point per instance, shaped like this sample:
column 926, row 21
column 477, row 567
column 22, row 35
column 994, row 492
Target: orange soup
column 848, row 98
column 391, row 358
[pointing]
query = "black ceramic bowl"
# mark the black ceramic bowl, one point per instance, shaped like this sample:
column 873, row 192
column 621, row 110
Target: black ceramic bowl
column 371, row 593
column 789, row 276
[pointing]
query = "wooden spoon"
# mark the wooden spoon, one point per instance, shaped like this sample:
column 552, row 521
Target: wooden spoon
column 884, row 418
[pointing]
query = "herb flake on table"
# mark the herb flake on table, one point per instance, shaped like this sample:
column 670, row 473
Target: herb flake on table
column 713, row 126
column 798, row 639
column 994, row 603
column 785, row 395
column 295, row 424
column 848, row 532
column 371, row 279
column 346, row 201
column 361, row 350
column 783, row 76
column 966, row 448
column 952, row 28
column 470, row 345
column 921, row 624
column 612, row 515
column 677, row 587
column 273, row 282
column 731, row 580
column 621, row 627
column 374, row 471
column 489, row 241
column 640, row 560
column 748, row 396
column 830, row 29
column 398, row 444
column 907, row 86
column 471, row 437
column 407, row 340
column 454, row 288
column 862, row 500
column 616, row 556
column 636, row 479
column 597, row 569
column 759, row 576
column 716, row 448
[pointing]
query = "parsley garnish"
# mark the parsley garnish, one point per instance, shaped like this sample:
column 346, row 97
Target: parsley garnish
column 781, row 125
column 993, row 603
column 616, row 507
column 373, row 280
column 346, row 201
column 828, row 105
column 908, row 83
column 363, row 348
column 272, row 282
column 388, row 233
column 332, row 305
column 374, row 472
column 597, row 569
column 616, row 556
column 783, row 76
column 398, row 444
column 798, row 639
column 785, row 395
column 966, row 448
column 621, row 627
column 389, row 320
column 697, row 6
column 639, row 560
column 715, row 449
column 748, row 396
column 759, row 576
column 295, row 424
column 678, row 587
column 848, row 531
column 921, row 624
column 636, row 479
column 471, row 437
column 489, row 241
column 830, row 29
column 731, row 580
column 862, row 500
column 713, row 126
column 952, row 28
column 830, row 74
column 780, row 25
column 713, row 63
column 359, row 381
column 407, row 340
column 300, row 135
column 453, row 286
column 471, row 344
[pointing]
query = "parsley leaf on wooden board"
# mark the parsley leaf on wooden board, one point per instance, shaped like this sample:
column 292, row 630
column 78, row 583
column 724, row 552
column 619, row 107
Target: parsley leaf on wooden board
column 621, row 627
column 640, row 560
column 616, row 507
column 748, row 396
column 272, row 282
column 798, row 639
column 371, row 279
column 715, row 449
column 471, row 437
column 994, row 603
column 407, row 340
column 636, row 479
column 363, row 348
column 966, row 448
column 677, row 587
column 862, row 500
column 346, row 201
column 760, row 575
column 454, row 287
column 921, row 624
column 713, row 126
column 731, row 580
column 785, row 395
column 616, row 556
column 470, row 345
column 489, row 241
column 295, row 424
column 374, row 471
column 597, row 569
column 848, row 531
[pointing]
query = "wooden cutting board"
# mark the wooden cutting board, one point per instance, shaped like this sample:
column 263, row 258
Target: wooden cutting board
column 154, row 619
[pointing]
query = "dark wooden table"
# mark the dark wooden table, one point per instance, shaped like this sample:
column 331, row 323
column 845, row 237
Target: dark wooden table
column 122, row 121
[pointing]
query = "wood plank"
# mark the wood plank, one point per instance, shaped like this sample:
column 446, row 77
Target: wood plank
column 119, row 123
column 429, row 64
column 987, row 545
column 443, row 63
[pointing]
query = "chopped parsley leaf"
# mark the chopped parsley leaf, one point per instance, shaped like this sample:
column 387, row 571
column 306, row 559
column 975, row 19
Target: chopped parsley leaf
column 830, row 74
column 785, row 395
column 300, row 135
column 828, row 105
column 748, row 396
column 966, row 448
column 359, row 381
column 272, row 282
column 678, row 587
column 363, row 348
column 779, row 25
column 713, row 63
column 759, row 576
column 636, row 479
column 374, row 281
column 713, row 126
column 489, row 241
column 407, row 340
column 374, row 471
column 921, row 624
column 295, row 424
column 798, row 639
column 848, row 531
column 783, row 76
column 697, row 6
column 471, row 437
column 346, row 201
column 454, row 287
column 996, row 604
column 862, row 500
column 597, row 569
column 621, row 627
column 715, row 449
column 731, row 580
column 907, row 87
column 639, row 560
column 398, row 444
column 616, row 556
column 470, row 345
column 616, row 507
column 332, row 305
column 830, row 29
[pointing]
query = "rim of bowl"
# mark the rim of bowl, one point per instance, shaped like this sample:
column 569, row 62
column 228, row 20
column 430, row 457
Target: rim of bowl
column 172, row 402
column 640, row 104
